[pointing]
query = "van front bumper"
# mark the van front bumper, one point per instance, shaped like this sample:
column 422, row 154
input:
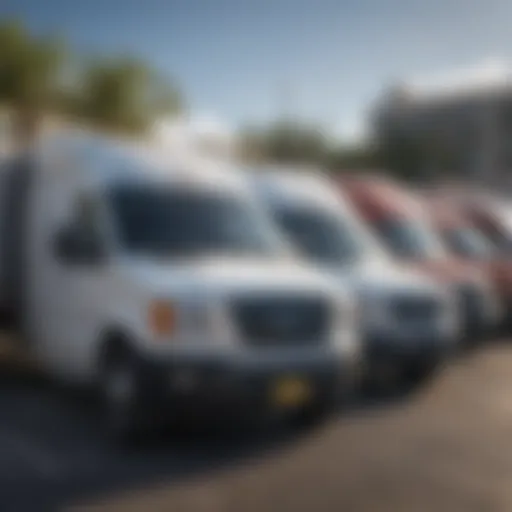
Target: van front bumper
column 229, row 383
column 481, row 314
column 422, row 350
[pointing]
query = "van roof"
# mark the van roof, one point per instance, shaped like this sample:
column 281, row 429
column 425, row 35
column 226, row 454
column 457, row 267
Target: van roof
column 445, row 213
column 102, row 159
column 380, row 198
column 492, row 207
column 282, row 187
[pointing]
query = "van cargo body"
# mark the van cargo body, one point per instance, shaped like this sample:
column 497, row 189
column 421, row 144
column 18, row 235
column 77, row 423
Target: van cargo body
column 163, row 284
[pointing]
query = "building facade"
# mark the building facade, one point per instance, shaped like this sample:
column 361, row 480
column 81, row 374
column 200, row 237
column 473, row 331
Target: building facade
column 463, row 128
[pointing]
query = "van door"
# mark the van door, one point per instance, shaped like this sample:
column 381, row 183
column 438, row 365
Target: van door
column 16, row 195
column 71, row 285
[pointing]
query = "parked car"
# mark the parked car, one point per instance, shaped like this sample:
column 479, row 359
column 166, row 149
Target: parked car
column 409, row 322
column 402, row 223
column 162, row 283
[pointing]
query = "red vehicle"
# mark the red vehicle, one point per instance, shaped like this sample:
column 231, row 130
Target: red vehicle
column 402, row 223
column 464, row 238
column 493, row 217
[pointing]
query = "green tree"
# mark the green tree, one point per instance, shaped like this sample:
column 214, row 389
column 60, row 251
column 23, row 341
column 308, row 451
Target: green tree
column 412, row 157
column 405, row 157
column 341, row 158
column 285, row 142
column 124, row 95
column 30, row 72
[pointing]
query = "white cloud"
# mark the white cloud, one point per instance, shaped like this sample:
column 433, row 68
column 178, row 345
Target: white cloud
column 200, row 134
column 196, row 133
column 191, row 127
column 211, row 125
column 489, row 73
column 351, row 132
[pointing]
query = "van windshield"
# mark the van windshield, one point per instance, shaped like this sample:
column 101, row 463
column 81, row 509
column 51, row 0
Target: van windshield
column 182, row 222
column 409, row 238
column 467, row 242
column 499, row 231
column 320, row 235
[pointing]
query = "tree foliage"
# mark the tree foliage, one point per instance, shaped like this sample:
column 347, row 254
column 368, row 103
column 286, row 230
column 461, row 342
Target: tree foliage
column 125, row 95
column 121, row 94
column 285, row 142
column 29, row 75
column 413, row 157
column 352, row 158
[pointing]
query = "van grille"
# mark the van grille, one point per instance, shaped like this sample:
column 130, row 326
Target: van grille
column 271, row 321
column 470, row 302
column 416, row 309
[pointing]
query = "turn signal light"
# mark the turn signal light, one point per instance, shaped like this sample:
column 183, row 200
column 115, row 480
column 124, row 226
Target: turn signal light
column 162, row 318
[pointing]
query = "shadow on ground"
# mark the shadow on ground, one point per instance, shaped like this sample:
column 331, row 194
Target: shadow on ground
column 54, row 452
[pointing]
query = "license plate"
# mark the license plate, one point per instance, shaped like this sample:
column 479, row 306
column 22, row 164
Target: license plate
column 291, row 392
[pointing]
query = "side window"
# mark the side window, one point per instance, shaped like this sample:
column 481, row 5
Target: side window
column 495, row 233
column 86, row 218
column 80, row 241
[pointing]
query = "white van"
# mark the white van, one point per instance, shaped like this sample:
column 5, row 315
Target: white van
column 409, row 323
column 165, row 284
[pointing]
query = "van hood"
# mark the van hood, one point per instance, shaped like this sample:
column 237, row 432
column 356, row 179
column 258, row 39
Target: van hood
column 230, row 275
column 383, row 278
column 450, row 271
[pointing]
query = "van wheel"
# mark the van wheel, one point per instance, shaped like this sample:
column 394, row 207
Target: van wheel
column 421, row 375
column 120, row 392
column 310, row 416
column 381, row 380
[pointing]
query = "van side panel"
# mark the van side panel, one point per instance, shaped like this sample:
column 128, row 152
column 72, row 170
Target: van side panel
column 5, row 170
column 15, row 190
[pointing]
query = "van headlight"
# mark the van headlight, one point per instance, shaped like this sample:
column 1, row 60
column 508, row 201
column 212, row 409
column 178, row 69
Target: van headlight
column 189, row 321
column 451, row 313
column 346, row 331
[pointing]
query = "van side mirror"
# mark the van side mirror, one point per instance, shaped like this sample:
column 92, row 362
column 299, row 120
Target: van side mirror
column 75, row 246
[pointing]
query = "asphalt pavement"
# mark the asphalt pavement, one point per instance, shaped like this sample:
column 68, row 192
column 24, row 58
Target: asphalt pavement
column 54, row 453
column 446, row 447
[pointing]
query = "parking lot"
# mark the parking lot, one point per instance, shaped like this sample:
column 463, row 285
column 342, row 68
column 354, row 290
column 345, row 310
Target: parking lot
column 445, row 448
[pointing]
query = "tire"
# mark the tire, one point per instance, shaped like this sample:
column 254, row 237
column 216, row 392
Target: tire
column 421, row 375
column 377, row 383
column 310, row 416
column 120, row 398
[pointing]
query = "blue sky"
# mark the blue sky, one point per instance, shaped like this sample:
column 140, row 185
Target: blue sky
column 243, row 60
